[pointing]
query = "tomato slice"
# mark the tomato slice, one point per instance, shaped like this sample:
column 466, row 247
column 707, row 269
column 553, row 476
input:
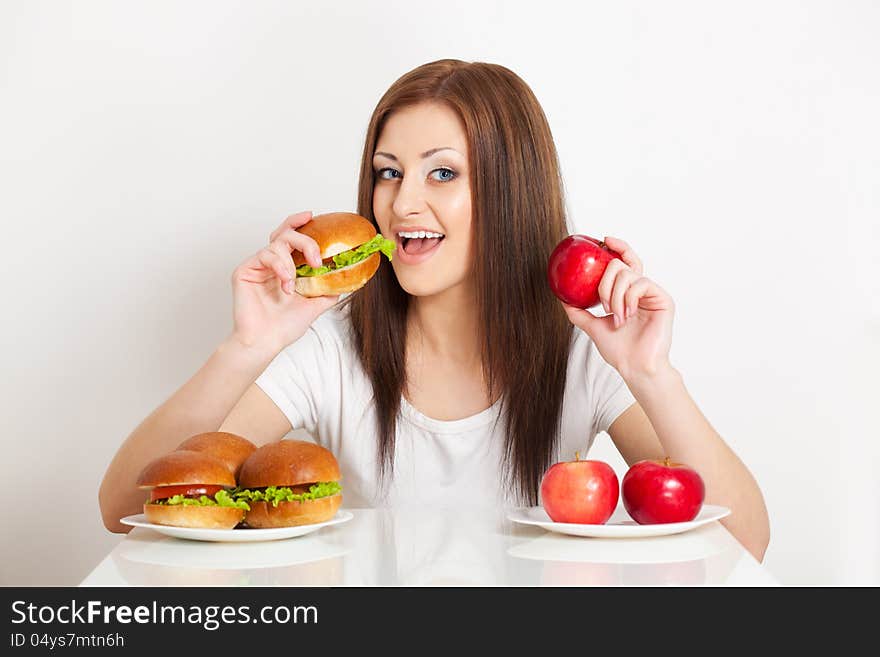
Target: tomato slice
column 190, row 490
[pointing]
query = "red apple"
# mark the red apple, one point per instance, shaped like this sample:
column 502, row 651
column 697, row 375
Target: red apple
column 662, row 491
column 576, row 267
column 584, row 492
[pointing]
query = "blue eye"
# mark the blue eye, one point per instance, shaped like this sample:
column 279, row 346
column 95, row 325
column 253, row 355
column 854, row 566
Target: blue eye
column 444, row 178
column 444, row 174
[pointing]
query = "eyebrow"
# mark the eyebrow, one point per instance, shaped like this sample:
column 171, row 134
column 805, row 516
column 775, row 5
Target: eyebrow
column 423, row 156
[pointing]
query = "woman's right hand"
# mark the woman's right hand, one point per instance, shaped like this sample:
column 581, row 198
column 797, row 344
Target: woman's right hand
column 268, row 313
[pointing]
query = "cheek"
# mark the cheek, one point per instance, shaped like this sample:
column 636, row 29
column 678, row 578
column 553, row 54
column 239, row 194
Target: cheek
column 458, row 257
column 453, row 207
column 462, row 200
column 462, row 232
column 382, row 207
column 457, row 220
column 458, row 208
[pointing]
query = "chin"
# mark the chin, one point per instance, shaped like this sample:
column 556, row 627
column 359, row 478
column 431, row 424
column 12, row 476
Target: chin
column 420, row 288
column 425, row 284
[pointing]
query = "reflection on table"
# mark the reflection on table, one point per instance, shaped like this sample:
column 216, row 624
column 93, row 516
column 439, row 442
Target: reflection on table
column 433, row 547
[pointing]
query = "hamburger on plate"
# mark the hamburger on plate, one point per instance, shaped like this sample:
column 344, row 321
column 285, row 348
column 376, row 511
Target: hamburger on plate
column 350, row 248
column 191, row 489
column 289, row 483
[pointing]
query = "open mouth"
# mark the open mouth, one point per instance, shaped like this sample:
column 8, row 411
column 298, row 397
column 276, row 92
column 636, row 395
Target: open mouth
column 418, row 242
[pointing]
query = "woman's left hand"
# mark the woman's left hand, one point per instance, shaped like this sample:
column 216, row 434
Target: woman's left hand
column 636, row 336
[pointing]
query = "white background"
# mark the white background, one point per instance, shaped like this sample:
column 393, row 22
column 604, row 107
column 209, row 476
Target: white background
column 146, row 148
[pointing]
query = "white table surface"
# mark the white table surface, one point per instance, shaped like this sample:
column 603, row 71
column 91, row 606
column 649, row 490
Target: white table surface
column 419, row 547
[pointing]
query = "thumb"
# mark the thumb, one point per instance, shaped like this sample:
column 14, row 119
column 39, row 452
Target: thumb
column 583, row 319
column 327, row 302
column 319, row 305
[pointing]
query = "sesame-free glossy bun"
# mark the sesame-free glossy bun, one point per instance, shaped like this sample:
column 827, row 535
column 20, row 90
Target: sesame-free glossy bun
column 264, row 515
column 230, row 448
column 288, row 463
column 185, row 467
column 202, row 517
column 339, row 281
column 335, row 232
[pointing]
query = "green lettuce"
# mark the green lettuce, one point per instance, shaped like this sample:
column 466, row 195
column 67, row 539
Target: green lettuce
column 278, row 494
column 352, row 256
column 221, row 498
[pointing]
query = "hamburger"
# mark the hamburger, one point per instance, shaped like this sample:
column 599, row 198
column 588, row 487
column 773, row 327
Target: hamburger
column 350, row 248
column 191, row 489
column 230, row 448
column 289, row 483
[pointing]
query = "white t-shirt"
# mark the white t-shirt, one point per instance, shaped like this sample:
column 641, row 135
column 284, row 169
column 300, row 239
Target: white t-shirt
column 319, row 384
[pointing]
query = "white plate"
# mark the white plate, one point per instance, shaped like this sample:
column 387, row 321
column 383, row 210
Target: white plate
column 619, row 525
column 236, row 535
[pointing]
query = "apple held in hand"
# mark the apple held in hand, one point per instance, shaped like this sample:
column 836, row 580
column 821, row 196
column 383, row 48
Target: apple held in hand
column 575, row 268
column 584, row 492
column 662, row 491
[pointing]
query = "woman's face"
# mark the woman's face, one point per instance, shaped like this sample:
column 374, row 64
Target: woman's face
column 422, row 197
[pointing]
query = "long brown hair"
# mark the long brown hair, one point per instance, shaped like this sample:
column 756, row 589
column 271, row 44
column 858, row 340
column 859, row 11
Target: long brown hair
column 517, row 193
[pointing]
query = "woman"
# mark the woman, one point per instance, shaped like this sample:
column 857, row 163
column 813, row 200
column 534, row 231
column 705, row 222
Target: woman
column 454, row 376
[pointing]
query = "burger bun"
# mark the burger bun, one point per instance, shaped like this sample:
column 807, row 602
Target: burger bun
column 290, row 463
column 334, row 233
column 197, row 517
column 264, row 515
column 338, row 281
column 230, row 448
column 187, row 467
column 183, row 467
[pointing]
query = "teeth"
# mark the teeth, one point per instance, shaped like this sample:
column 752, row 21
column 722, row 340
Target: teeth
column 419, row 233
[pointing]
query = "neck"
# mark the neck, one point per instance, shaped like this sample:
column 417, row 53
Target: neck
column 446, row 325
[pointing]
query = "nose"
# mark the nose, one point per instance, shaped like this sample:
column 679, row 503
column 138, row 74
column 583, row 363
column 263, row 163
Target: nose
column 410, row 199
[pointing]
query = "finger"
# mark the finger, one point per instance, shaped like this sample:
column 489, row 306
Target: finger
column 271, row 260
column 319, row 305
column 607, row 282
column 293, row 221
column 295, row 241
column 282, row 250
column 622, row 283
column 252, row 271
column 649, row 296
column 626, row 254
column 584, row 319
column 291, row 241
column 640, row 287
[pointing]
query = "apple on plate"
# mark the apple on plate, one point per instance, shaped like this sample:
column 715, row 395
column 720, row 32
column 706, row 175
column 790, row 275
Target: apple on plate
column 576, row 267
column 584, row 492
column 656, row 491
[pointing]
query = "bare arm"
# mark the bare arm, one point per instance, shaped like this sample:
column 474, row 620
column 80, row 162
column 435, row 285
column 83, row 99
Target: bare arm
column 201, row 404
column 635, row 339
column 686, row 436
column 268, row 315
